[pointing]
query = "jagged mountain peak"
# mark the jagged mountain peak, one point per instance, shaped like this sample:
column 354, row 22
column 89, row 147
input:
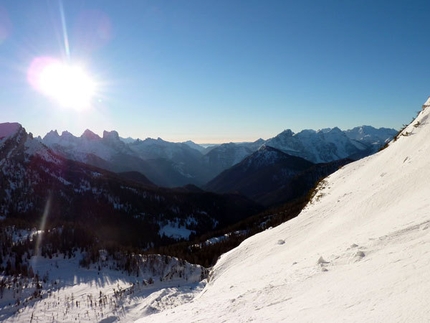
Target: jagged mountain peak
column 111, row 135
column 51, row 137
column 335, row 130
column 89, row 135
column 52, row 133
column 66, row 133
column 307, row 132
column 150, row 141
column 18, row 144
column 287, row 133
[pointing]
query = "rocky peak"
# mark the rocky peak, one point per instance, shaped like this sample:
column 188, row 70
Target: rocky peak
column 88, row 134
column 111, row 135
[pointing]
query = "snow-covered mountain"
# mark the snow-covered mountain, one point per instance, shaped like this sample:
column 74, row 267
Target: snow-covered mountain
column 15, row 142
column 331, row 144
column 33, row 176
column 258, row 173
column 272, row 177
column 20, row 154
column 369, row 135
column 359, row 251
column 164, row 163
column 171, row 164
column 224, row 156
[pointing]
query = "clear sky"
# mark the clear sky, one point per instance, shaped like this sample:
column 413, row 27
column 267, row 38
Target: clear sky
column 216, row 71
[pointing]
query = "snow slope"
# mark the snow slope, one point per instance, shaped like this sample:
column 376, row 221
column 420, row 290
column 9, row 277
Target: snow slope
column 360, row 252
column 71, row 293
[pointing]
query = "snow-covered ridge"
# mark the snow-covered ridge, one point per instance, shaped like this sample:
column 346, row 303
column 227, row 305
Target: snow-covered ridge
column 358, row 252
column 331, row 144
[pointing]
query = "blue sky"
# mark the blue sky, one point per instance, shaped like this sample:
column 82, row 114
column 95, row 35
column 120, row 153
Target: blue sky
column 219, row 71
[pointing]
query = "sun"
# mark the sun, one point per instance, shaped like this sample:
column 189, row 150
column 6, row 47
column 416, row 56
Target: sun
column 68, row 85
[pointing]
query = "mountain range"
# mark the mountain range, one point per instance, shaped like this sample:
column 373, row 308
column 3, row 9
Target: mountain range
column 169, row 164
column 271, row 177
column 91, row 179
column 39, row 185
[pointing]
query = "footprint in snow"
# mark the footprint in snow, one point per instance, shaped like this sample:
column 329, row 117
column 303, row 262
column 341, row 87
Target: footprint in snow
column 358, row 256
column 322, row 263
column 425, row 226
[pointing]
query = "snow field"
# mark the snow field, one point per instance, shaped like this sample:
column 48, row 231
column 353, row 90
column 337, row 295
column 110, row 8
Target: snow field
column 71, row 293
column 360, row 252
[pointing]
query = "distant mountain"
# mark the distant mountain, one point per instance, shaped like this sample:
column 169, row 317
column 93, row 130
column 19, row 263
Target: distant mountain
column 225, row 156
column 123, row 208
column 171, row 164
column 164, row 163
column 332, row 144
column 195, row 146
column 270, row 176
column 371, row 137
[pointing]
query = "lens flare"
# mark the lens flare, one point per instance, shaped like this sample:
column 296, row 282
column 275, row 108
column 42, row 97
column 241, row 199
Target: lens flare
column 43, row 225
column 69, row 85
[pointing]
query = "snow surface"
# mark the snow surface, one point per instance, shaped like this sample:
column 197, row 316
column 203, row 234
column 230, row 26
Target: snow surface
column 175, row 230
column 75, row 294
column 360, row 252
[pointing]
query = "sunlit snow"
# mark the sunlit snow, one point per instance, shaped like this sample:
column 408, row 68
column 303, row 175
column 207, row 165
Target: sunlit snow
column 360, row 252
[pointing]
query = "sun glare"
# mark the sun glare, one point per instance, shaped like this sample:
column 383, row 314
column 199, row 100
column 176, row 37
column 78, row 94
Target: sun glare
column 68, row 85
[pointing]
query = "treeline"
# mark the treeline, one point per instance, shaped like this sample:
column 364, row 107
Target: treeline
column 200, row 251
column 18, row 244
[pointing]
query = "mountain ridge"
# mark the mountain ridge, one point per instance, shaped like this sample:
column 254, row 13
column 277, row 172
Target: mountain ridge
column 33, row 175
column 186, row 163
column 272, row 177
